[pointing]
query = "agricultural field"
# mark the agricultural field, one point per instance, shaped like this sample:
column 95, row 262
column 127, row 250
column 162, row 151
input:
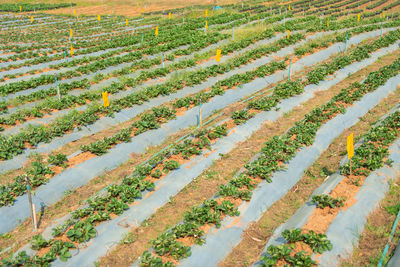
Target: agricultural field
column 249, row 133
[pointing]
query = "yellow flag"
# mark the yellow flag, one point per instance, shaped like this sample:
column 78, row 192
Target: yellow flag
column 156, row 32
column 106, row 101
column 74, row 12
column 218, row 57
column 327, row 23
column 143, row 10
column 288, row 34
column 126, row 22
column 350, row 146
column 98, row 17
column 72, row 50
column 20, row 8
column 31, row 19
column 169, row 15
column 383, row 14
column 358, row 17
column 206, row 25
column 289, row 7
column 70, row 33
column 206, row 12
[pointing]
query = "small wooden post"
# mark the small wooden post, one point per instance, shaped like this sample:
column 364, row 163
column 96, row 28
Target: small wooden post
column 31, row 206
column 58, row 91
column 200, row 122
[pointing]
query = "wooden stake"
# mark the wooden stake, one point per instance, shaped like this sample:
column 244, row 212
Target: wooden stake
column 200, row 122
column 31, row 206
column 34, row 216
column 58, row 90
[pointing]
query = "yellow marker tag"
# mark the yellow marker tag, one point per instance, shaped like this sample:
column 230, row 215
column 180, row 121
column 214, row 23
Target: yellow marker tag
column 74, row 12
column 358, row 17
column 350, row 146
column 258, row 20
column 98, row 17
column 327, row 23
column 206, row 25
column 126, row 22
column 31, row 19
column 156, row 32
column 72, row 50
column 106, row 101
column 288, row 34
column 143, row 10
column 70, row 33
column 20, row 8
column 383, row 14
column 218, row 57
column 169, row 15
column 206, row 12
column 289, row 7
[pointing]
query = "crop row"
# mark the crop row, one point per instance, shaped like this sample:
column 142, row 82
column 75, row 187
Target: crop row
column 146, row 122
column 89, row 116
column 110, row 59
column 38, row 173
column 200, row 43
column 274, row 154
column 371, row 155
column 37, row 134
column 116, row 199
column 41, row 94
column 166, row 32
column 153, row 47
column 31, row 7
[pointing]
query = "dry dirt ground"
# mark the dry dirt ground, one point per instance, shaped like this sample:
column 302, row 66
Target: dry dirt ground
column 129, row 8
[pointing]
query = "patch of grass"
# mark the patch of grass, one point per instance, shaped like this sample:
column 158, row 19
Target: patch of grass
column 128, row 239
column 210, row 175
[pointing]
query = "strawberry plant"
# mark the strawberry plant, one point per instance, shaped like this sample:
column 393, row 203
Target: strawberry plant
column 293, row 235
column 147, row 260
column 38, row 242
column 170, row 165
column 116, row 206
column 81, row 232
column 167, row 244
column 317, row 242
column 323, row 201
column 218, row 132
column 156, row 174
column 61, row 249
column 58, row 160
column 241, row 116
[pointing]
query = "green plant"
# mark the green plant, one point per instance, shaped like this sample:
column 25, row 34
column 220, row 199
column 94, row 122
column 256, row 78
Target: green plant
column 58, row 160
column 241, row 116
column 170, row 165
column 38, row 242
column 323, row 201
column 82, row 231
column 117, row 206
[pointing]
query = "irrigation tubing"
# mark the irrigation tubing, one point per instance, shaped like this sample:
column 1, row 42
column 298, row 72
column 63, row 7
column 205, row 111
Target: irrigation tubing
column 386, row 249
